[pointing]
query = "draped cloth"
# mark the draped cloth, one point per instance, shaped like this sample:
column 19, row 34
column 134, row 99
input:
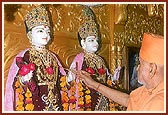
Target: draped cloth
column 9, row 93
column 142, row 99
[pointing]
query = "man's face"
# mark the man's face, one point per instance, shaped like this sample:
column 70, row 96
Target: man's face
column 40, row 35
column 91, row 43
column 143, row 71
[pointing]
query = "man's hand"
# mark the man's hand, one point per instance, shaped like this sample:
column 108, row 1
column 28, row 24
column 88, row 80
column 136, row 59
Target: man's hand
column 86, row 78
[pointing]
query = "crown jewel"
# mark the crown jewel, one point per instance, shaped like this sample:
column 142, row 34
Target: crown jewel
column 89, row 27
column 38, row 16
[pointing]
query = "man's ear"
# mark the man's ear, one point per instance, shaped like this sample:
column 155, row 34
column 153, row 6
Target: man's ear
column 153, row 68
column 83, row 43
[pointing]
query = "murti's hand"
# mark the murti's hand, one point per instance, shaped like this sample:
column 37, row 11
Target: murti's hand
column 71, row 76
column 27, row 77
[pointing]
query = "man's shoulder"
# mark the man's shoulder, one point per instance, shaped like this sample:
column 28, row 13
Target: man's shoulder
column 137, row 91
column 156, row 102
column 158, row 96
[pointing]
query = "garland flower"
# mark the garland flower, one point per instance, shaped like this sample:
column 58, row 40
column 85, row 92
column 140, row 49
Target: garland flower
column 25, row 70
column 64, row 93
column 72, row 98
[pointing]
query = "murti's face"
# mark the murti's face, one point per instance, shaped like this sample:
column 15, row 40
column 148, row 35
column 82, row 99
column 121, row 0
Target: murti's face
column 40, row 35
column 91, row 43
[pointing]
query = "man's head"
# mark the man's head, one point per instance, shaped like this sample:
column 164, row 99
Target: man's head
column 151, row 60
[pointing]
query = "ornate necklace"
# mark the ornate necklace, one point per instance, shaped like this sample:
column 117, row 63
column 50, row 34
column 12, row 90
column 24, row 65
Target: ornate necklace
column 93, row 60
column 44, row 60
column 46, row 72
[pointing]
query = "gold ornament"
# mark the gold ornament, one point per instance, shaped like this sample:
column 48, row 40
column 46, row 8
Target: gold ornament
column 89, row 27
column 38, row 16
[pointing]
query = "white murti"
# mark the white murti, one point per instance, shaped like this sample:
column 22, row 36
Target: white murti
column 90, row 44
column 40, row 35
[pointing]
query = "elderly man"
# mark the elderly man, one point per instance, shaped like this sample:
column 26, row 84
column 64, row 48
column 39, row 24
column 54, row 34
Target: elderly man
column 150, row 96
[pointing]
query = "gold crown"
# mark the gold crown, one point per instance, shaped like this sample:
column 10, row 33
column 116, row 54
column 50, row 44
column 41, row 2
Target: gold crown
column 38, row 16
column 89, row 27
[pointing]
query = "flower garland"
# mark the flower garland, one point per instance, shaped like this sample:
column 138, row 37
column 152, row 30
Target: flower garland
column 80, row 97
column 72, row 97
column 20, row 101
column 87, row 99
column 83, row 101
column 98, row 71
column 64, row 93
column 111, row 102
column 112, row 105
column 96, row 68
column 22, row 105
column 25, row 70
column 28, row 101
column 101, row 72
column 46, row 68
